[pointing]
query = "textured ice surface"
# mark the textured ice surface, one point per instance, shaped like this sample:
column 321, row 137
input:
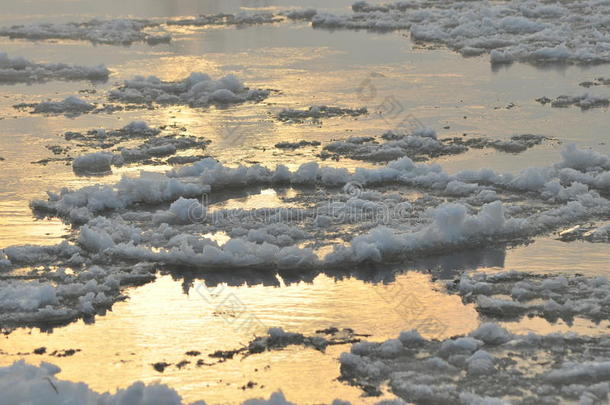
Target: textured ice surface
column 317, row 112
column 151, row 151
column 420, row 144
column 584, row 101
column 105, row 138
column 239, row 19
column 196, row 90
column 71, row 106
column 517, row 30
column 113, row 32
column 16, row 70
column 511, row 295
column 57, row 297
column 97, row 162
column 490, row 366
column 374, row 226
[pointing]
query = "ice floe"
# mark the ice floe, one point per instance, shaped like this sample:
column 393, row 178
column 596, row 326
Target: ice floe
column 70, row 106
column 150, row 151
column 119, row 147
column 317, row 112
column 517, row 30
column 514, row 294
column 584, row 101
column 113, row 32
column 359, row 217
column 420, row 144
column 490, row 366
column 296, row 145
column 240, row 19
column 196, row 90
column 103, row 138
column 600, row 81
column 59, row 297
column 97, row 162
column 16, row 70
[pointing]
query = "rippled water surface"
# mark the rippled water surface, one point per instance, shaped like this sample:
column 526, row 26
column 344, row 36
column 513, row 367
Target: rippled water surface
column 162, row 320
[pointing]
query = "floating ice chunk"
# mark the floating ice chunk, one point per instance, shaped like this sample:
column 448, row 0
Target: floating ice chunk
column 549, row 296
column 499, row 307
column 68, row 298
column 421, row 143
column 491, row 334
column 452, row 226
column 196, row 90
column 182, row 211
column 424, row 393
column 519, row 30
column 70, row 106
column 422, row 376
column 583, row 159
column 462, row 345
column 317, row 112
column 139, row 127
column 424, row 133
column 92, row 163
column 305, row 14
column 411, row 338
column 584, row 101
column 148, row 188
column 32, row 254
column 352, row 364
column 22, row 383
column 95, row 239
column 239, row 19
column 113, row 32
column 13, row 70
column 26, row 297
column 499, row 56
column 390, row 348
column 480, row 363
column 589, row 372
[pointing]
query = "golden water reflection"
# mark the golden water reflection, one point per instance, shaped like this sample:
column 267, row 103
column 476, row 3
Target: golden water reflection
column 160, row 323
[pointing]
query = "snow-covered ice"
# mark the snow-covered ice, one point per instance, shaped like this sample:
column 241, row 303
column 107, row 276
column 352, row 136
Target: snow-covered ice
column 97, row 162
column 516, row 30
column 112, row 32
column 70, row 106
column 585, row 101
column 382, row 227
column 240, row 19
column 515, row 294
column 196, row 90
column 15, row 70
column 421, row 144
column 317, row 112
column 491, row 366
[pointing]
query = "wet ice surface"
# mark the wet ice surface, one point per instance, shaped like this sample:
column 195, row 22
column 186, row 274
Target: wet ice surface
column 474, row 110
